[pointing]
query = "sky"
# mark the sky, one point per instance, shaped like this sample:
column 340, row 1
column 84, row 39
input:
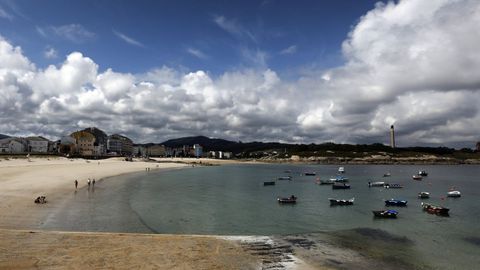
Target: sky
column 285, row 71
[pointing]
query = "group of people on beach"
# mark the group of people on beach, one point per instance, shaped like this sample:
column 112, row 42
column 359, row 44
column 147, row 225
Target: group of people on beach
column 92, row 183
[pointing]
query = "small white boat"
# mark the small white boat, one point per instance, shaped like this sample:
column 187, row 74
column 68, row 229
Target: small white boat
column 417, row 177
column 376, row 184
column 341, row 169
column 454, row 194
column 423, row 195
column 387, row 174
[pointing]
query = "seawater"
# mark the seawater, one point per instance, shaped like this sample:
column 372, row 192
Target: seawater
column 231, row 200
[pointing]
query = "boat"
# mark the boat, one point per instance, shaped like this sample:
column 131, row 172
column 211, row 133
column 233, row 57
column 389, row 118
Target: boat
column 310, row 173
column 291, row 199
column 340, row 186
column 422, row 173
column 269, row 183
column 341, row 169
column 376, row 184
column 437, row 210
column 284, row 178
column 417, row 177
column 385, row 213
column 340, row 179
column 394, row 202
column 287, row 171
column 326, row 182
column 341, row 202
column 454, row 194
column 387, row 174
column 392, row 185
column 423, row 195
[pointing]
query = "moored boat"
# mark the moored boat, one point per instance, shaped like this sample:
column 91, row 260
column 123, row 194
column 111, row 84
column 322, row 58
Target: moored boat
column 417, row 177
column 340, row 186
column 376, row 184
column 433, row 209
column 326, row 182
column 341, row 202
column 392, row 185
column 394, row 202
column 340, row 179
column 423, row 195
column 284, row 178
column 291, row 199
column 422, row 173
column 387, row 174
column 385, row 213
column 454, row 194
column 309, row 173
column 269, row 183
column 341, row 169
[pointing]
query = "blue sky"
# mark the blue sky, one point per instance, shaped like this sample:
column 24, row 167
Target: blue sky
column 216, row 36
column 287, row 71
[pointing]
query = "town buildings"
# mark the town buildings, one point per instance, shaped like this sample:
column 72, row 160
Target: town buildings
column 120, row 145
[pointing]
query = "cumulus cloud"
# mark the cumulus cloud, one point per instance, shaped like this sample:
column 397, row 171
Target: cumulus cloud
column 50, row 53
column 414, row 64
column 128, row 39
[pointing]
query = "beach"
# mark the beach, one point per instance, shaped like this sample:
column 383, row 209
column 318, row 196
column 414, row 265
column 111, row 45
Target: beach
column 24, row 246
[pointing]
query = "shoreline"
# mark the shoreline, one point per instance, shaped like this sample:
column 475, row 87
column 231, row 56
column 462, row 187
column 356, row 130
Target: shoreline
column 25, row 245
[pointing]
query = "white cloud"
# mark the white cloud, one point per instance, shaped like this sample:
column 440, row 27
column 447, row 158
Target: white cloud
column 50, row 53
column 197, row 53
column 234, row 28
column 290, row 50
column 411, row 64
column 5, row 15
column 73, row 32
column 128, row 39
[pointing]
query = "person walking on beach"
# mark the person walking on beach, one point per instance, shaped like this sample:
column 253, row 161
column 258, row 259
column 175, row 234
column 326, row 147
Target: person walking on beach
column 93, row 183
column 88, row 182
column 76, row 183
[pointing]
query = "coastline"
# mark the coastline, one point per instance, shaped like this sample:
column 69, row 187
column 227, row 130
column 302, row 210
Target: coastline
column 24, row 245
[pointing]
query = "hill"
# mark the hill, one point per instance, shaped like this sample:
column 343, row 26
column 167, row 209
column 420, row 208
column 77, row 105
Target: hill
column 2, row 136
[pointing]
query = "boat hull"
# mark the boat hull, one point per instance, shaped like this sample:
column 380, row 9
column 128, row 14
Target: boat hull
column 385, row 214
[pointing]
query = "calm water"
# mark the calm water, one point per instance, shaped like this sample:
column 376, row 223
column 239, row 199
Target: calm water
column 232, row 200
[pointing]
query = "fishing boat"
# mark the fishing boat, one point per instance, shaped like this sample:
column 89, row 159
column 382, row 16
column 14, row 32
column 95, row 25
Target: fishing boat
column 376, row 184
column 454, row 194
column 340, row 179
column 284, row 178
column 340, row 186
column 422, row 173
column 417, row 177
column 437, row 210
column 423, row 195
column 326, row 182
column 386, row 174
column 385, row 213
column 287, row 171
column 341, row 169
column 394, row 202
column 340, row 201
column 392, row 185
column 310, row 173
column 269, row 183
column 291, row 199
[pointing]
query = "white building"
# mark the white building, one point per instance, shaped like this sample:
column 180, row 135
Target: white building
column 12, row 146
column 198, row 150
column 37, row 144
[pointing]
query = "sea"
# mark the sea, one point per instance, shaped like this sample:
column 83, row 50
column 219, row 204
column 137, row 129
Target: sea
column 232, row 200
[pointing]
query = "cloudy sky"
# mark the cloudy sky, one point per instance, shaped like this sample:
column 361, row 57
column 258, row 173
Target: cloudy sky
column 288, row 71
